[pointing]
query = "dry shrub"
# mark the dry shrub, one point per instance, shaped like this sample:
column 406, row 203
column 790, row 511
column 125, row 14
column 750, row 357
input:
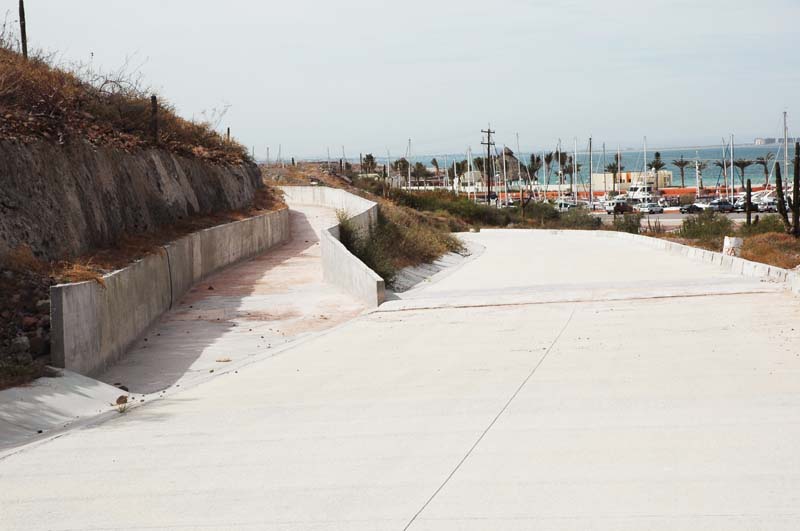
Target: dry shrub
column 78, row 272
column 22, row 260
column 774, row 248
column 41, row 100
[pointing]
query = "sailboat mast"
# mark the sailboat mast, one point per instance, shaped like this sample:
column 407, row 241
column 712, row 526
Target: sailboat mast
column 519, row 171
column 446, row 172
column 388, row 170
column 645, row 163
column 733, row 173
column 696, row 175
column 575, row 171
column 591, row 161
column 408, row 163
column 605, row 182
column 505, row 175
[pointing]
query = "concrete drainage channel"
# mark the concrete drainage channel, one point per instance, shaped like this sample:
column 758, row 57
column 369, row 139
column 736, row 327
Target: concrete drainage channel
column 340, row 267
column 94, row 325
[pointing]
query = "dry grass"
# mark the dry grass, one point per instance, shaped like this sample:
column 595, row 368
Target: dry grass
column 22, row 260
column 39, row 100
column 773, row 248
column 132, row 247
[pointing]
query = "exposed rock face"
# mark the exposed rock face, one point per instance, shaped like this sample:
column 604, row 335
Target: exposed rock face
column 63, row 201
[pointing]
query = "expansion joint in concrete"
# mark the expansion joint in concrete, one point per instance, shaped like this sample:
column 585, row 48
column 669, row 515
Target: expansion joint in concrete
column 494, row 420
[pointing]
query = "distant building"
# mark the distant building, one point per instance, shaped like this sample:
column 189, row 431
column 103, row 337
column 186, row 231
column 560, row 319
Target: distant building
column 604, row 182
column 770, row 141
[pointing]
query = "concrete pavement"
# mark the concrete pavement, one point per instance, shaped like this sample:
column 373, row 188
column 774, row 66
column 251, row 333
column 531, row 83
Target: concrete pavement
column 643, row 412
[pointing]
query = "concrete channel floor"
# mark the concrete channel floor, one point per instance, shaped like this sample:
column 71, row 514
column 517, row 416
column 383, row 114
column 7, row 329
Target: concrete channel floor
column 241, row 312
column 643, row 412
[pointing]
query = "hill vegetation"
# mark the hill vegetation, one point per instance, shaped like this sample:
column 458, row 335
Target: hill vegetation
column 40, row 100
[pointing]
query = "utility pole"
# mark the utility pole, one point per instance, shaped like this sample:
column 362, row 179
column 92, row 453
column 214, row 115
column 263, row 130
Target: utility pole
column 23, row 32
column 488, row 165
column 605, row 180
column 591, row 163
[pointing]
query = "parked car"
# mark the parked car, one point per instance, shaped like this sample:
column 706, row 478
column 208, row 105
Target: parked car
column 740, row 205
column 564, row 205
column 768, row 205
column 721, row 205
column 649, row 208
column 617, row 206
column 694, row 208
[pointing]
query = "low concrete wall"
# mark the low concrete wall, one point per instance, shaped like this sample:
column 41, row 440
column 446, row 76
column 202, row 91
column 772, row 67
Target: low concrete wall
column 94, row 325
column 730, row 263
column 340, row 267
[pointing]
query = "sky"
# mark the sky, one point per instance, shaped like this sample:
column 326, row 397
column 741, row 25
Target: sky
column 370, row 74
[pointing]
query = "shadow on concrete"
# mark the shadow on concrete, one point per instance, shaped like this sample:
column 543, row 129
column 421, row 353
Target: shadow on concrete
column 240, row 312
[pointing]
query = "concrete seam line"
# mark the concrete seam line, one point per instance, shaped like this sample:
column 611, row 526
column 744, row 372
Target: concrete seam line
column 567, row 301
column 495, row 419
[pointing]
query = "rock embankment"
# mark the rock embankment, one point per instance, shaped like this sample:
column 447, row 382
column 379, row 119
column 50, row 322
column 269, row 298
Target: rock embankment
column 64, row 201
column 24, row 324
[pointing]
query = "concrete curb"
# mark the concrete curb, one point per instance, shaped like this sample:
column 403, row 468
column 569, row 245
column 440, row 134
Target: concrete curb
column 339, row 266
column 94, row 325
column 733, row 264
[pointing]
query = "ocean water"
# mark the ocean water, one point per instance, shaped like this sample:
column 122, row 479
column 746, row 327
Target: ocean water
column 634, row 161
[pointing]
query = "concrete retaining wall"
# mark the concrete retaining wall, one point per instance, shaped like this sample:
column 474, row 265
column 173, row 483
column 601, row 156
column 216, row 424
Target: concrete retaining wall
column 340, row 267
column 93, row 326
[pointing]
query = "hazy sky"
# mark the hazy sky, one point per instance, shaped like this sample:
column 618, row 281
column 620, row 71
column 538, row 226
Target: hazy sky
column 369, row 74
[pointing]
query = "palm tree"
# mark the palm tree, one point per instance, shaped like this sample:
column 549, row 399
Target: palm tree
column 656, row 165
column 562, row 159
column 742, row 164
column 766, row 162
column 723, row 165
column 369, row 164
column 701, row 165
column 401, row 166
column 534, row 166
column 615, row 168
column 548, row 164
column 681, row 165
column 435, row 164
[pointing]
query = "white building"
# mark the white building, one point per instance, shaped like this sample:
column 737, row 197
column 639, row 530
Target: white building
column 604, row 182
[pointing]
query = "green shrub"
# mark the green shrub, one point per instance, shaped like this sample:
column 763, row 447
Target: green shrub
column 628, row 222
column 459, row 206
column 542, row 212
column 771, row 223
column 579, row 218
column 708, row 225
column 369, row 248
column 401, row 238
column 687, row 199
